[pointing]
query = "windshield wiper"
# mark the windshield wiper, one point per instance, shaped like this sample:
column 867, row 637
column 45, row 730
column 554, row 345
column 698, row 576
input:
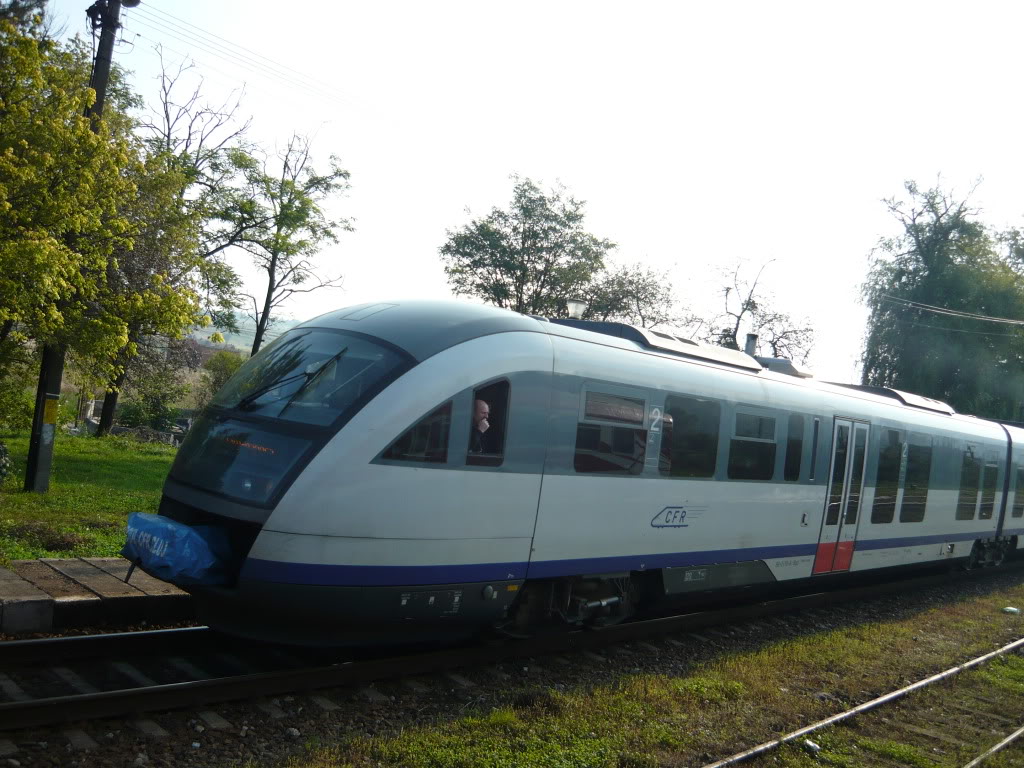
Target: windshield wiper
column 310, row 377
column 256, row 394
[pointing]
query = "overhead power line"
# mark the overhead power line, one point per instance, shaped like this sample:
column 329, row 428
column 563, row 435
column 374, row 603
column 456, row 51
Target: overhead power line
column 950, row 312
column 154, row 8
column 250, row 66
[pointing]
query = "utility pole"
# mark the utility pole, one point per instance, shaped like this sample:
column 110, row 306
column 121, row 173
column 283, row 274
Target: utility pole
column 105, row 16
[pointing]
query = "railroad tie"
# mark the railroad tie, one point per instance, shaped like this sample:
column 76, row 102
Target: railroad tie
column 649, row 647
column 324, row 703
column 374, row 696
column 151, row 729
column 74, row 680
column 594, row 657
column 7, row 748
column 79, row 739
column 12, row 690
column 214, row 721
column 133, row 674
column 272, row 710
column 414, row 685
column 459, row 680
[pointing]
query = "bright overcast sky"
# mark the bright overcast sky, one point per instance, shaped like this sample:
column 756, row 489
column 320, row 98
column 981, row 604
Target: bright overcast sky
column 700, row 134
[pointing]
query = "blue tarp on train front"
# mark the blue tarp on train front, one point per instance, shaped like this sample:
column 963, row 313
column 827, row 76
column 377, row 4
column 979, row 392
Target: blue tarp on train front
column 175, row 552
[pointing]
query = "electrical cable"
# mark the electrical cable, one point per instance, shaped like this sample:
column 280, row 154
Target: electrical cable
column 907, row 303
column 154, row 8
column 260, row 64
column 232, row 62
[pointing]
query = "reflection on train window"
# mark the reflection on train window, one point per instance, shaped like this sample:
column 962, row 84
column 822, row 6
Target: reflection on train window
column 860, row 445
column 603, row 448
column 839, row 452
column 887, row 482
column 970, row 482
column 689, row 443
column 601, row 406
column 1018, row 499
column 752, row 450
column 814, row 449
column 427, row 441
column 488, row 425
column 988, row 491
column 794, row 447
column 915, row 489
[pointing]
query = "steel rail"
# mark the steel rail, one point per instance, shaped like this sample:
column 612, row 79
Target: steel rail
column 48, row 711
column 768, row 746
column 997, row 748
column 181, row 640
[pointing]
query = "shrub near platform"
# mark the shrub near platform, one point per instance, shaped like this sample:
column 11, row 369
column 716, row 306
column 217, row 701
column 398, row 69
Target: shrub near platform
column 94, row 485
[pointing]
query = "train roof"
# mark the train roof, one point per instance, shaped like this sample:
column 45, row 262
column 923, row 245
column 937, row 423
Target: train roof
column 424, row 328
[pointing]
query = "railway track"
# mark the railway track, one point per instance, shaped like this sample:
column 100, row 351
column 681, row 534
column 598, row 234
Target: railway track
column 100, row 676
column 948, row 724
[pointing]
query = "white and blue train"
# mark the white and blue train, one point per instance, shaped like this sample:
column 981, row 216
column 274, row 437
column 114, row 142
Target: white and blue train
column 620, row 468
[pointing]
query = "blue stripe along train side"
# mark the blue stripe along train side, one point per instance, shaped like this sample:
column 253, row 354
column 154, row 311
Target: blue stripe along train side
column 398, row 471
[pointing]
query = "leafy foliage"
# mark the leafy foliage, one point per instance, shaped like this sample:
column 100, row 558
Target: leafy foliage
column 529, row 258
column 279, row 212
column 632, row 294
column 945, row 258
column 60, row 190
column 218, row 368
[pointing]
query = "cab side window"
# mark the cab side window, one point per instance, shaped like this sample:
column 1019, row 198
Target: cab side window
column 427, row 441
column 488, row 425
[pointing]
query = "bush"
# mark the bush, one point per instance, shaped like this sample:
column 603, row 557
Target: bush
column 16, row 406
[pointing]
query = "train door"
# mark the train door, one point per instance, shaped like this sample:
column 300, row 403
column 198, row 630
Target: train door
column 842, row 504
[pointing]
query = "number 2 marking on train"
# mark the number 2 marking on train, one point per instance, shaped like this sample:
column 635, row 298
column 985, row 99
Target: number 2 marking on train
column 654, row 419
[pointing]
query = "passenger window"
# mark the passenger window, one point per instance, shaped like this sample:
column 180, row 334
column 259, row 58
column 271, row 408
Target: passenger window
column 887, row 482
column 970, row 482
column 752, row 450
column 915, row 490
column 488, row 425
column 689, row 443
column 606, row 448
column 794, row 447
column 988, row 491
column 427, row 441
column 1018, row 498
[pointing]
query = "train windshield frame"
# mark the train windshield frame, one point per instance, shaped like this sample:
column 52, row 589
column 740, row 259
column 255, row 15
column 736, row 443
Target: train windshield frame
column 310, row 375
column 280, row 408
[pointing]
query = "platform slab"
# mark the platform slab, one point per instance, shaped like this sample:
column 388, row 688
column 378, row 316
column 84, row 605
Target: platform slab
column 142, row 581
column 73, row 604
column 23, row 606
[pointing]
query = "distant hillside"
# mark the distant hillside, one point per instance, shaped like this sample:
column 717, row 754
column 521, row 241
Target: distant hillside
column 242, row 340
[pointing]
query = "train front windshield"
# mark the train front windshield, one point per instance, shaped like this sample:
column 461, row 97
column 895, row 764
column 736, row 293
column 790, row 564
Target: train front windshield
column 279, row 408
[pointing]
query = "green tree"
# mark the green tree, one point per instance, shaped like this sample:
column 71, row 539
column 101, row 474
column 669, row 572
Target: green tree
column 922, row 288
column 279, row 215
column 631, row 294
column 529, row 258
column 217, row 369
column 60, row 191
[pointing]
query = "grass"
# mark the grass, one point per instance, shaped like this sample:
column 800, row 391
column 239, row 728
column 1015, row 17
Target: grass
column 720, row 705
column 93, row 487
